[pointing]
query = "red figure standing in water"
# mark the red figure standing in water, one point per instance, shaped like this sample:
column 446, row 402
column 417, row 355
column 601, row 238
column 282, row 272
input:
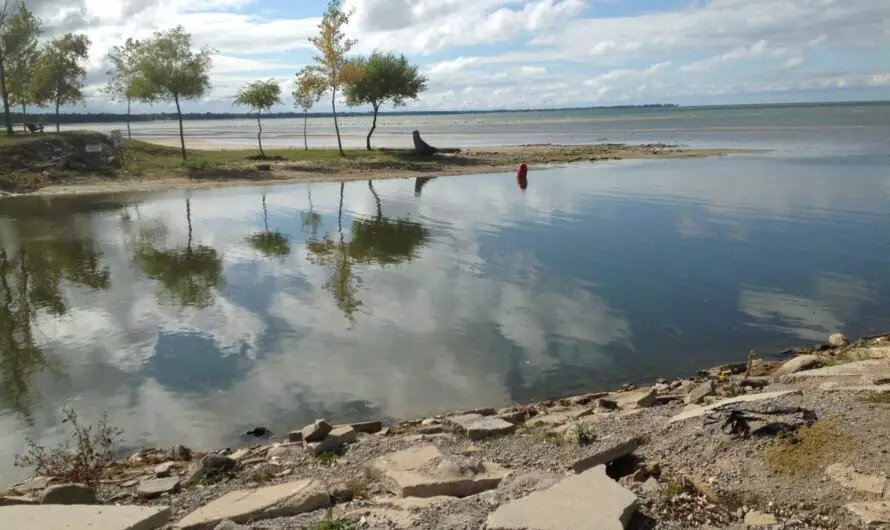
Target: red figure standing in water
column 522, row 176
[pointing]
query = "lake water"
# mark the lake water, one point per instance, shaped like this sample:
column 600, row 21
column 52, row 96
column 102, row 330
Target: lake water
column 837, row 127
column 192, row 316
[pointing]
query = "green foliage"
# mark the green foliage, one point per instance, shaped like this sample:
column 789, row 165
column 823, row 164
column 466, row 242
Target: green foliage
column 168, row 69
column 21, row 53
column 305, row 99
column 386, row 77
column 327, row 458
column 59, row 72
column 187, row 275
column 332, row 69
column 259, row 96
column 272, row 244
column 580, row 433
column 329, row 523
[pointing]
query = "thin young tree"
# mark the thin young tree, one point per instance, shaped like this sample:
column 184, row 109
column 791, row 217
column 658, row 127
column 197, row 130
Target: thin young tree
column 5, row 14
column 59, row 72
column 332, row 69
column 122, row 83
column 259, row 96
column 305, row 100
column 168, row 69
column 21, row 55
column 386, row 77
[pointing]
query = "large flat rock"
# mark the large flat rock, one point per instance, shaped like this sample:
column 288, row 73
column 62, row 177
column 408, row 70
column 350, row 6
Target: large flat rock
column 283, row 500
column 78, row 517
column 423, row 471
column 479, row 427
column 589, row 501
column 871, row 514
column 605, row 453
column 842, row 373
column 696, row 412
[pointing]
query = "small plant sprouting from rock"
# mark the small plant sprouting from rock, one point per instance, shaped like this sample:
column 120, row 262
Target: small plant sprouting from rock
column 360, row 489
column 329, row 523
column 85, row 463
column 580, row 433
column 327, row 458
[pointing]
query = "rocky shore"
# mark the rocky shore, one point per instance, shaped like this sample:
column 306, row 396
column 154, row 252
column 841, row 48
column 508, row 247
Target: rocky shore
column 799, row 443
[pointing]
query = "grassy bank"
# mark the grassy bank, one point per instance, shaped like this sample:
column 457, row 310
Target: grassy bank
column 59, row 161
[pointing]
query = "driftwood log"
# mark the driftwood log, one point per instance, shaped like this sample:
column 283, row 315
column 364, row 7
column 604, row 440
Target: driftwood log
column 424, row 149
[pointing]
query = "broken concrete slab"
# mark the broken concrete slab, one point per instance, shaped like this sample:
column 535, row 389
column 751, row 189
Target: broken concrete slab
column 588, row 501
column 330, row 444
column 871, row 514
column 605, row 453
column 282, row 500
column 55, row 517
column 16, row 500
column 155, row 487
column 367, row 427
column 797, row 364
column 696, row 412
column 848, row 477
column 211, row 463
column 558, row 418
column 479, row 427
column 644, row 397
column 697, row 394
column 489, row 426
column 849, row 372
column 345, row 433
column 755, row 519
column 315, row 432
column 423, row 471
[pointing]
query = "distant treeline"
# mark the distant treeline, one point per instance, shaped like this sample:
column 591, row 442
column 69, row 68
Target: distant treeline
column 109, row 117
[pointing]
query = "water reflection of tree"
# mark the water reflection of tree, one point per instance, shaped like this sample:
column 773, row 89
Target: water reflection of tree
column 31, row 279
column 377, row 241
column 310, row 220
column 188, row 276
column 343, row 282
column 267, row 242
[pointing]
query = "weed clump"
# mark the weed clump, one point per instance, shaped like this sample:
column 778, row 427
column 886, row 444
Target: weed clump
column 85, row 463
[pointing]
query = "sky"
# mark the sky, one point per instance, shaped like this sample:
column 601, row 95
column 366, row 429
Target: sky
column 496, row 54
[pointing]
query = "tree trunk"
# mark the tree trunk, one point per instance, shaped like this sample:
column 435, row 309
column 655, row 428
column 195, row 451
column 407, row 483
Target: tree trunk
column 24, row 120
column 376, row 200
column 373, row 125
column 188, row 218
column 336, row 126
column 57, row 114
column 305, row 119
column 265, row 215
column 129, row 133
column 259, row 135
column 181, row 134
column 5, row 94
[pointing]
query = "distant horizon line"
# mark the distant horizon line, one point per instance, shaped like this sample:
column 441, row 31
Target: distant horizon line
column 140, row 116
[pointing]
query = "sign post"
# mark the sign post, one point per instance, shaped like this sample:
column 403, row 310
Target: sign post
column 117, row 140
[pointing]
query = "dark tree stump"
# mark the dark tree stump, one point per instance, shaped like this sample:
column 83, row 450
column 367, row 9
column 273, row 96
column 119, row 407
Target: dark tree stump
column 422, row 148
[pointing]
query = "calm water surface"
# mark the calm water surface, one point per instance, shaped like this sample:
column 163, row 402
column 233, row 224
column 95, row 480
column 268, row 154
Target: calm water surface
column 193, row 316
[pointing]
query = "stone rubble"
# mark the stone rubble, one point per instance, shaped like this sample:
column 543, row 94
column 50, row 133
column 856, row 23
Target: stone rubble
column 626, row 459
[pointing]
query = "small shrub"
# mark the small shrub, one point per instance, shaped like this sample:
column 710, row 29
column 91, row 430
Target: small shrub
column 329, row 523
column 327, row 458
column 580, row 433
column 85, row 463
column 360, row 489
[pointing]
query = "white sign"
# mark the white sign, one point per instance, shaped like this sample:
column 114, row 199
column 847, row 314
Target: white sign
column 94, row 148
column 117, row 138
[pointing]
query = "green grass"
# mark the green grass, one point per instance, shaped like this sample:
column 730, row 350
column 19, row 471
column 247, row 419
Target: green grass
column 877, row 398
column 31, row 161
